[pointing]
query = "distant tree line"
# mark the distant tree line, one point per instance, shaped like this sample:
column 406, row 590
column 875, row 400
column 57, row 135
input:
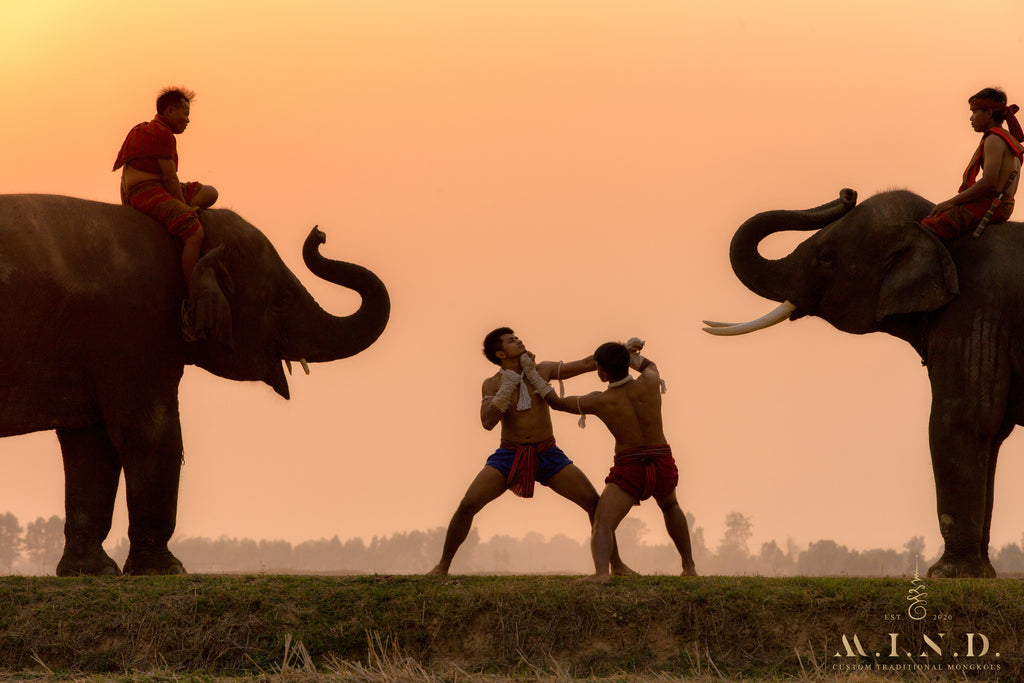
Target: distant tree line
column 36, row 549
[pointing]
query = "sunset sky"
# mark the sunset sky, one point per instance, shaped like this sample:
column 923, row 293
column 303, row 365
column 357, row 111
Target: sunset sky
column 574, row 169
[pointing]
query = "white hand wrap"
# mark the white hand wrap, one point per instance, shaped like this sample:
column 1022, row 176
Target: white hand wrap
column 538, row 383
column 503, row 397
column 634, row 346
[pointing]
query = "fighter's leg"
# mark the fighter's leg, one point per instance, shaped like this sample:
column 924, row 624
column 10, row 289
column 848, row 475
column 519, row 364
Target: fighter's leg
column 613, row 506
column 488, row 485
column 678, row 531
column 570, row 482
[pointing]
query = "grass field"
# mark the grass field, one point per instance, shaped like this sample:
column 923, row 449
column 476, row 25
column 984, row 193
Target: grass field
column 277, row 627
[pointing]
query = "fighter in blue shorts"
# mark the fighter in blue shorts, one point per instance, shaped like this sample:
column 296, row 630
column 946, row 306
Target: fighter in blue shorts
column 528, row 452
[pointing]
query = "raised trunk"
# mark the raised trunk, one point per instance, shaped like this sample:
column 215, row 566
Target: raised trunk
column 768, row 277
column 340, row 337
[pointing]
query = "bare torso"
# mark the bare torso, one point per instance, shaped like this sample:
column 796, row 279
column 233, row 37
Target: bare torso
column 131, row 176
column 518, row 426
column 632, row 412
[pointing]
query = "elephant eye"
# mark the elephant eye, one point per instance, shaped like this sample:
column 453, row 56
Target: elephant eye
column 824, row 258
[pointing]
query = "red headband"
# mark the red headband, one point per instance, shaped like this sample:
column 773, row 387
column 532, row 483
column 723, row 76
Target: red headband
column 1009, row 111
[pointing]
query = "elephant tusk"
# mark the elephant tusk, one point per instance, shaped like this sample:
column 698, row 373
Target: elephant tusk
column 784, row 310
column 305, row 367
column 288, row 364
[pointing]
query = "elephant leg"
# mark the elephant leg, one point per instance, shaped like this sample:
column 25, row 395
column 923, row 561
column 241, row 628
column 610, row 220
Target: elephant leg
column 92, row 470
column 961, row 488
column 990, row 495
column 151, row 453
column 966, row 429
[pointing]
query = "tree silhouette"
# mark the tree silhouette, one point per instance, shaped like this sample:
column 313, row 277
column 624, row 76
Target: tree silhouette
column 10, row 541
column 44, row 542
column 823, row 558
column 701, row 552
column 733, row 552
column 39, row 548
column 772, row 561
column 1010, row 558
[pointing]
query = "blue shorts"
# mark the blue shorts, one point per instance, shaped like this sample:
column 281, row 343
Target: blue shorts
column 549, row 462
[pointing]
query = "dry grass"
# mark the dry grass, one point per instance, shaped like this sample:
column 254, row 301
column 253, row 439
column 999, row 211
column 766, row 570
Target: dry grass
column 386, row 663
column 474, row 629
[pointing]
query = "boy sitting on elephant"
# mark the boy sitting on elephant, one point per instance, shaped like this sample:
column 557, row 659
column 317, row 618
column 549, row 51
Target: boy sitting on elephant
column 149, row 181
column 998, row 159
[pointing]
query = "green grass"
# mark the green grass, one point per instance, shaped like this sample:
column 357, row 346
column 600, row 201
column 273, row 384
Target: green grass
column 523, row 627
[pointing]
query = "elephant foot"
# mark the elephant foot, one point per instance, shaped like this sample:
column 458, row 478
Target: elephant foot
column 90, row 563
column 159, row 563
column 950, row 567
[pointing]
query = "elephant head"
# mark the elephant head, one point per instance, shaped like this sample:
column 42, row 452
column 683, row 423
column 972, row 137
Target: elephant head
column 257, row 313
column 864, row 267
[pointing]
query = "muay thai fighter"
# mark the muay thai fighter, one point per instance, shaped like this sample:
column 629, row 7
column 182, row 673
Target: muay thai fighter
column 643, row 465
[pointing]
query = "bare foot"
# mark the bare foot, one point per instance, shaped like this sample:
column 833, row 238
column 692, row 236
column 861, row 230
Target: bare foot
column 623, row 570
column 594, row 578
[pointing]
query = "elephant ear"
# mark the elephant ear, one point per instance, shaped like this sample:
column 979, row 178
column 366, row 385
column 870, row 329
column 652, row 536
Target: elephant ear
column 921, row 275
column 211, row 313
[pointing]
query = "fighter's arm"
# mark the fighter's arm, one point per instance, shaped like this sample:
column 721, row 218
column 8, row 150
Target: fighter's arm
column 644, row 366
column 489, row 415
column 169, row 178
column 577, row 405
column 648, row 371
column 559, row 370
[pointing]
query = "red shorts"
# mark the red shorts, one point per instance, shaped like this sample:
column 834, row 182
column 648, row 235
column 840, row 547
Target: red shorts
column 644, row 472
column 151, row 198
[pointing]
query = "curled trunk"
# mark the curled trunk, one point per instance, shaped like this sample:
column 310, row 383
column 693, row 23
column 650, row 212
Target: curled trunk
column 768, row 277
column 344, row 336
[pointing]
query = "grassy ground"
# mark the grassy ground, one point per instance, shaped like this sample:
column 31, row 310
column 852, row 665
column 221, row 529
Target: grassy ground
column 289, row 628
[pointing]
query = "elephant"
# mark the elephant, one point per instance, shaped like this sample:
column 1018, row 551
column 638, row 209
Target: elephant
column 960, row 304
column 91, row 298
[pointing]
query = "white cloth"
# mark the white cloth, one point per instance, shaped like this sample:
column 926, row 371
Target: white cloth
column 525, row 402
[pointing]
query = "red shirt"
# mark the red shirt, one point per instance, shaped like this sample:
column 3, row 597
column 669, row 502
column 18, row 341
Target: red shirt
column 147, row 142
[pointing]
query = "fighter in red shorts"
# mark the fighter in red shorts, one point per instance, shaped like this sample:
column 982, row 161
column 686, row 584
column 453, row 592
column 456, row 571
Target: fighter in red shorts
column 644, row 467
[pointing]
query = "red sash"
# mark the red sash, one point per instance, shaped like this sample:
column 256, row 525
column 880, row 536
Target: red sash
column 978, row 160
column 524, row 467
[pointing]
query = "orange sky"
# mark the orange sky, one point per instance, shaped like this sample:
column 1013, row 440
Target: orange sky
column 574, row 169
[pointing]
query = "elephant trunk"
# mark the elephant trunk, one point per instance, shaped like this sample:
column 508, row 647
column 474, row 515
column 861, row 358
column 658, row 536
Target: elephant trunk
column 341, row 337
column 767, row 277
